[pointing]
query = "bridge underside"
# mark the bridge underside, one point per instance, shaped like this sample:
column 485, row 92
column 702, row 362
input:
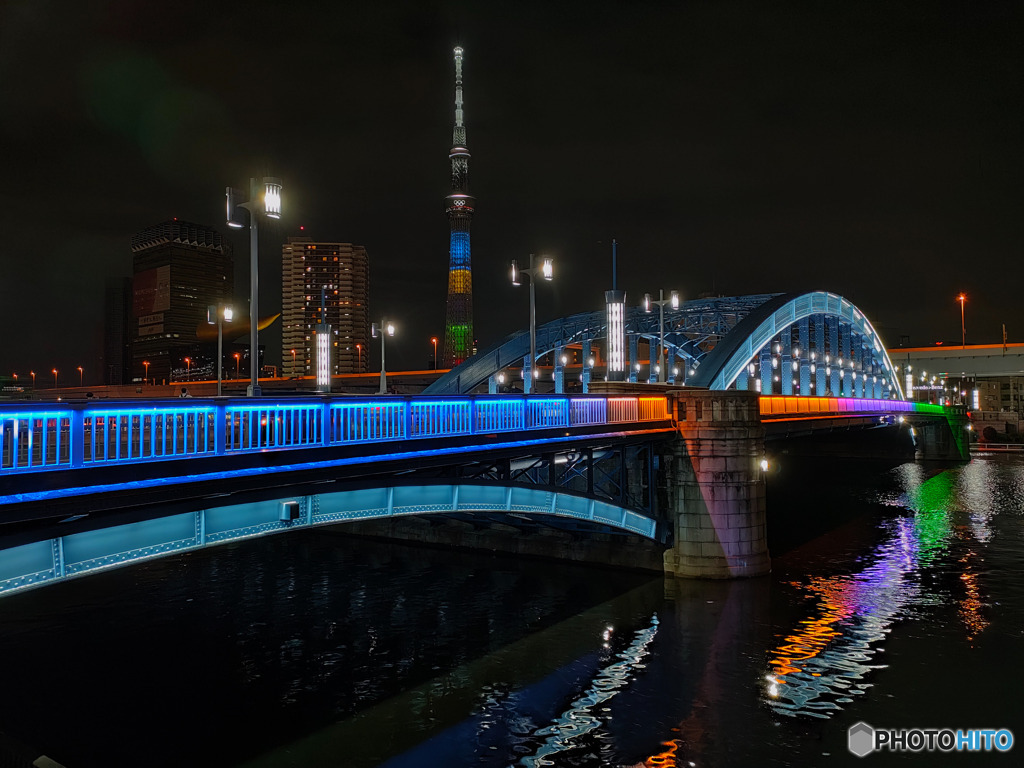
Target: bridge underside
column 521, row 508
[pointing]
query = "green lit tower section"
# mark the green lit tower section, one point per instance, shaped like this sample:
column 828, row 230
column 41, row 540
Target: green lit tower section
column 458, row 329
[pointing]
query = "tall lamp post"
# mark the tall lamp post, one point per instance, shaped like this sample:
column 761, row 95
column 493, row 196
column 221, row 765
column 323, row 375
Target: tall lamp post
column 54, row 378
column 359, row 358
column 963, row 329
column 238, row 373
column 33, row 375
column 660, row 302
column 433, row 340
column 384, row 329
column 271, row 208
column 81, row 377
column 547, row 271
column 220, row 314
column 145, row 363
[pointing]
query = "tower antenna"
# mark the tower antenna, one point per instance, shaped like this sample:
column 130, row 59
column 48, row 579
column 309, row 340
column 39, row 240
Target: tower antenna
column 459, row 205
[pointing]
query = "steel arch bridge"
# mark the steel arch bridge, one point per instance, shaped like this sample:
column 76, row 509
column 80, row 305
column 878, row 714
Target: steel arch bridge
column 811, row 343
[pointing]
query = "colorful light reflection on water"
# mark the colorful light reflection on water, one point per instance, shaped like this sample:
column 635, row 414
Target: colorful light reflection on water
column 827, row 660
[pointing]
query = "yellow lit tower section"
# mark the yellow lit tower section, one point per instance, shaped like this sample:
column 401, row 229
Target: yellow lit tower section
column 458, row 329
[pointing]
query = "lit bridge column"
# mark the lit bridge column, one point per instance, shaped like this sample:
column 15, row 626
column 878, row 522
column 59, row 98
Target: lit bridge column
column 766, row 369
column 821, row 382
column 559, row 371
column 804, row 334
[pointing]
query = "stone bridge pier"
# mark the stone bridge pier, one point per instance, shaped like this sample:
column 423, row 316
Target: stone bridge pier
column 947, row 440
column 711, row 487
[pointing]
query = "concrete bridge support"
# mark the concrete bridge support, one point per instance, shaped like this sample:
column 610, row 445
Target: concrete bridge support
column 712, row 487
column 947, row 440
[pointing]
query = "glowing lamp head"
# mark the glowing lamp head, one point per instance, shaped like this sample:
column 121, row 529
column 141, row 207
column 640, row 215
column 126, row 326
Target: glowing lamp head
column 674, row 299
column 647, row 302
column 548, row 270
column 391, row 329
column 515, row 274
column 229, row 314
column 272, row 197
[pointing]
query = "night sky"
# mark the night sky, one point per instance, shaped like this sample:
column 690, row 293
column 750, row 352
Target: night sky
column 870, row 149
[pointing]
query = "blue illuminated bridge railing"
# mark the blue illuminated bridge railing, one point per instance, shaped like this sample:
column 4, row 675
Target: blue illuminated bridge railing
column 46, row 437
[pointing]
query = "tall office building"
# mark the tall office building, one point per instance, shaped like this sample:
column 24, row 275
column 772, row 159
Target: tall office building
column 458, row 328
column 117, row 330
column 179, row 270
column 324, row 284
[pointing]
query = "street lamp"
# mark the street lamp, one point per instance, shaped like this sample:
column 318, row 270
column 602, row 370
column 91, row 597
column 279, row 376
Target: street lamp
column 54, row 378
column 661, row 301
column 433, row 341
column 271, row 208
column 384, row 329
column 547, row 271
column 81, row 377
column 219, row 314
column 33, row 375
column 963, row 329
column 359, row 358
column 145, row 363
column 238, row 374
column 293, row 362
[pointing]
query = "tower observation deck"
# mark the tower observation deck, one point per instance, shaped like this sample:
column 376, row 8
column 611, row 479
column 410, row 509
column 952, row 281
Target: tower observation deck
column 459, row 205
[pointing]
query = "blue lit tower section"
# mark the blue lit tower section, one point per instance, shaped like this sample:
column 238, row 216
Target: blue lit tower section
column 458, row 329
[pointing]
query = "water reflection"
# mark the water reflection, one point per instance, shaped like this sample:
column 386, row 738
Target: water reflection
column 825, row 662
column 580, row 719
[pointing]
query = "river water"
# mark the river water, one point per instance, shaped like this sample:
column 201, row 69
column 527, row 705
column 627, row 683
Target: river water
column 896, row 598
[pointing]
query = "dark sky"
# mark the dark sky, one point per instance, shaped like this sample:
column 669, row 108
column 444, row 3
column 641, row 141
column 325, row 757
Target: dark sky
column 870, row 149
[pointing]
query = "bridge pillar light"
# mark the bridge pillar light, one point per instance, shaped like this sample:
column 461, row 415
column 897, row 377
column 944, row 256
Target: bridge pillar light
column 268, row 204
column 615, row 315
column 545, row 270
column 384, row 329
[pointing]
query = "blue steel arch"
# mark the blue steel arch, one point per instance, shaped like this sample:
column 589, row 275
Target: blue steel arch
column 726, row 362
column 714, row 338
column 77, row 554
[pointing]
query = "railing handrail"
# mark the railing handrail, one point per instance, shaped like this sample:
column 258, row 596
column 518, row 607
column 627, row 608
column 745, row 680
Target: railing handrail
column 39, row 437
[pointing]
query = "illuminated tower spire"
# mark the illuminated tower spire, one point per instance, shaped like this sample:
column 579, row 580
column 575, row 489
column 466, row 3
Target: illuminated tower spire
column 458, row 330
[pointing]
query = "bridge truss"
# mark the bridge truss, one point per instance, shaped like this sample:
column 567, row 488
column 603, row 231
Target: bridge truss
column 814, row 343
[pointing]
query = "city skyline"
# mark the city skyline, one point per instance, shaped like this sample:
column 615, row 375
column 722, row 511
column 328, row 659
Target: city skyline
column 873, row 152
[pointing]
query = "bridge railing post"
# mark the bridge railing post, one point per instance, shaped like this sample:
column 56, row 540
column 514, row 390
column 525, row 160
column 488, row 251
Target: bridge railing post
column 220, row 426
column 76, row 436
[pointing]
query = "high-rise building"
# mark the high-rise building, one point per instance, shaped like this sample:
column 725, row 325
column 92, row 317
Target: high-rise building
column 458, row 329
column 179, row 270
column 324, row 284
column 117, row 330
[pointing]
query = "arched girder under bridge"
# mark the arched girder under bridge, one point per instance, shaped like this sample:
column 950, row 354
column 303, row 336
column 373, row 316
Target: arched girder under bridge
column 77, row 554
